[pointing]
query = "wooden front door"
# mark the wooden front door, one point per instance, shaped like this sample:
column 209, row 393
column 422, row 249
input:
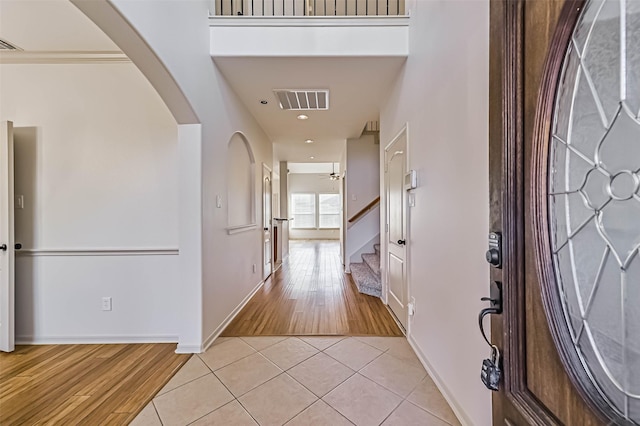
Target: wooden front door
column 528, row 41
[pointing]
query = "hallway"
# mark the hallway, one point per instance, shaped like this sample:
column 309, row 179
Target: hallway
column 311, row 295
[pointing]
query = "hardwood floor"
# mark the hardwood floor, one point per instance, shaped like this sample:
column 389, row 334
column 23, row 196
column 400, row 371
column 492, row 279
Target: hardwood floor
column 310, row 294
column 82, row 384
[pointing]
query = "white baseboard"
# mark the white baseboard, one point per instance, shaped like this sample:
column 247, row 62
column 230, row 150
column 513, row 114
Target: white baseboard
column 213, row 336
column 188, row 349
column 93, row 340
column 448, row 395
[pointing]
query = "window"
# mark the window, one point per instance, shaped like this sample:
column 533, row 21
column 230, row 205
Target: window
column 329, row 209
column 307, row 216
column 303, row 210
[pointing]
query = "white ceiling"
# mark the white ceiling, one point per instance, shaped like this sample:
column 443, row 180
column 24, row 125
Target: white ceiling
column 357, row 87
column 357, row 84
column 319, row 168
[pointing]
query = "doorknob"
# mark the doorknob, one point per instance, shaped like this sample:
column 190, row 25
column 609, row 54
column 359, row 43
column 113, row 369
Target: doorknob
column 495, row 307
column 18, row 246
column 401, row 242
column 3, row 247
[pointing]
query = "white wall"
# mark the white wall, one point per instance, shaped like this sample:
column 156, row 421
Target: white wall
column 363, row 173
column 97, row 165
column 312, row 183
column 442, row 93
column 362, row 187
column 178, row 33
column 319, row 37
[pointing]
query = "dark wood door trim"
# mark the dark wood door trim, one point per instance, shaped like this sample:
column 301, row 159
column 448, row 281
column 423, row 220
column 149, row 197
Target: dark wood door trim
column 515, row 401
column 512, row 197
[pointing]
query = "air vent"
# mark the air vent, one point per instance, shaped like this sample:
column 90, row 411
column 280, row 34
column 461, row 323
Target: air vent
column 303, row 100
column 5, row 45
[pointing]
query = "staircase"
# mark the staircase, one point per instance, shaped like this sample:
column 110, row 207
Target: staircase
column 366, row 274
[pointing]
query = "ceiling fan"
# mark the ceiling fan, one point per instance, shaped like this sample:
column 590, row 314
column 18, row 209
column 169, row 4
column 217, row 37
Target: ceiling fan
column 333, row 175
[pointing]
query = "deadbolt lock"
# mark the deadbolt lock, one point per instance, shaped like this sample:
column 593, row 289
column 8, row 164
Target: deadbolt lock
column 494, row 254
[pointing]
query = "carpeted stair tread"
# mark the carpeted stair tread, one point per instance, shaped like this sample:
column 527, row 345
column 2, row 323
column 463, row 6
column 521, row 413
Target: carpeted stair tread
column 373, row 261
column 365, row 280
column 376, row 247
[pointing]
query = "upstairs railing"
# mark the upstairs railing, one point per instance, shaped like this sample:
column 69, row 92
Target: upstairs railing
column 308, row 7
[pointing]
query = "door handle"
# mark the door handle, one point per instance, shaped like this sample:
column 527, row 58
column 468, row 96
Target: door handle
column 402, row 242
column 3, row 247
column 18, row 246
column 495, row 300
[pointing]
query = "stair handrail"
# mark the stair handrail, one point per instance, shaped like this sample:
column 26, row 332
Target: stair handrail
column 364, row 210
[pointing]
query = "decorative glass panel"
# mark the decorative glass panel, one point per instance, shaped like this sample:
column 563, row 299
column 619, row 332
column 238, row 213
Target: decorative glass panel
column 594, row 198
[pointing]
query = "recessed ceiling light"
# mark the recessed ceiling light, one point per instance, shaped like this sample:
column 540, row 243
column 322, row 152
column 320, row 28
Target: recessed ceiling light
column 303, row 117
column 263, row 102
column 309, row 141
column 312, row 157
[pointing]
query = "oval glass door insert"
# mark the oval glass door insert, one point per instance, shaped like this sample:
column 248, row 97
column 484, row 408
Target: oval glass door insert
column 594, row 198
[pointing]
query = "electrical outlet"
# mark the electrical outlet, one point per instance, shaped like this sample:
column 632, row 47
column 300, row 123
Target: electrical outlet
column 106, row 303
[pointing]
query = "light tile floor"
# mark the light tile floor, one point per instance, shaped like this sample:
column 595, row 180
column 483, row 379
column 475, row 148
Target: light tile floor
column 301, row 381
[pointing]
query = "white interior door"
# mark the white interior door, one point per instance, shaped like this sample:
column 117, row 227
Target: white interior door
column 266, row 222
column 395, row 170
column 7, row 239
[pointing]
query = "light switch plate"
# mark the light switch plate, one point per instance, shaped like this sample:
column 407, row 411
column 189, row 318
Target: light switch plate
column 106, row 303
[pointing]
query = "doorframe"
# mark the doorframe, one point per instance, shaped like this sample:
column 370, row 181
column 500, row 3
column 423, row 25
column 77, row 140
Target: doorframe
column 7, row 295
column 266, row 170
column 384, row 218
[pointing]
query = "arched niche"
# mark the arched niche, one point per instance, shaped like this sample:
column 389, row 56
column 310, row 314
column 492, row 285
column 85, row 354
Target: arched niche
column 241, row 199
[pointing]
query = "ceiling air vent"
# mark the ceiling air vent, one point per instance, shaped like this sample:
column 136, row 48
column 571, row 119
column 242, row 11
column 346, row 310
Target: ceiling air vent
column 303, row 99
column 5, row 45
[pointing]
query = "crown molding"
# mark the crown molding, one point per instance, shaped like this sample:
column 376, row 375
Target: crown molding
column 62, row 57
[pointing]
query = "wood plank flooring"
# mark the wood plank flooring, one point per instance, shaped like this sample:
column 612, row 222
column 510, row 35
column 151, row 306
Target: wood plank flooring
column 311, row 295
column 82, row 384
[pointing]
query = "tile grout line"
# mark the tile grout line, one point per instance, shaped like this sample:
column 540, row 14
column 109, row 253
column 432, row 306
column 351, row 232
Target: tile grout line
column 255, row 387
column 316, row 397
column 428, row 411
column 273, row 378
column 156, row 411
